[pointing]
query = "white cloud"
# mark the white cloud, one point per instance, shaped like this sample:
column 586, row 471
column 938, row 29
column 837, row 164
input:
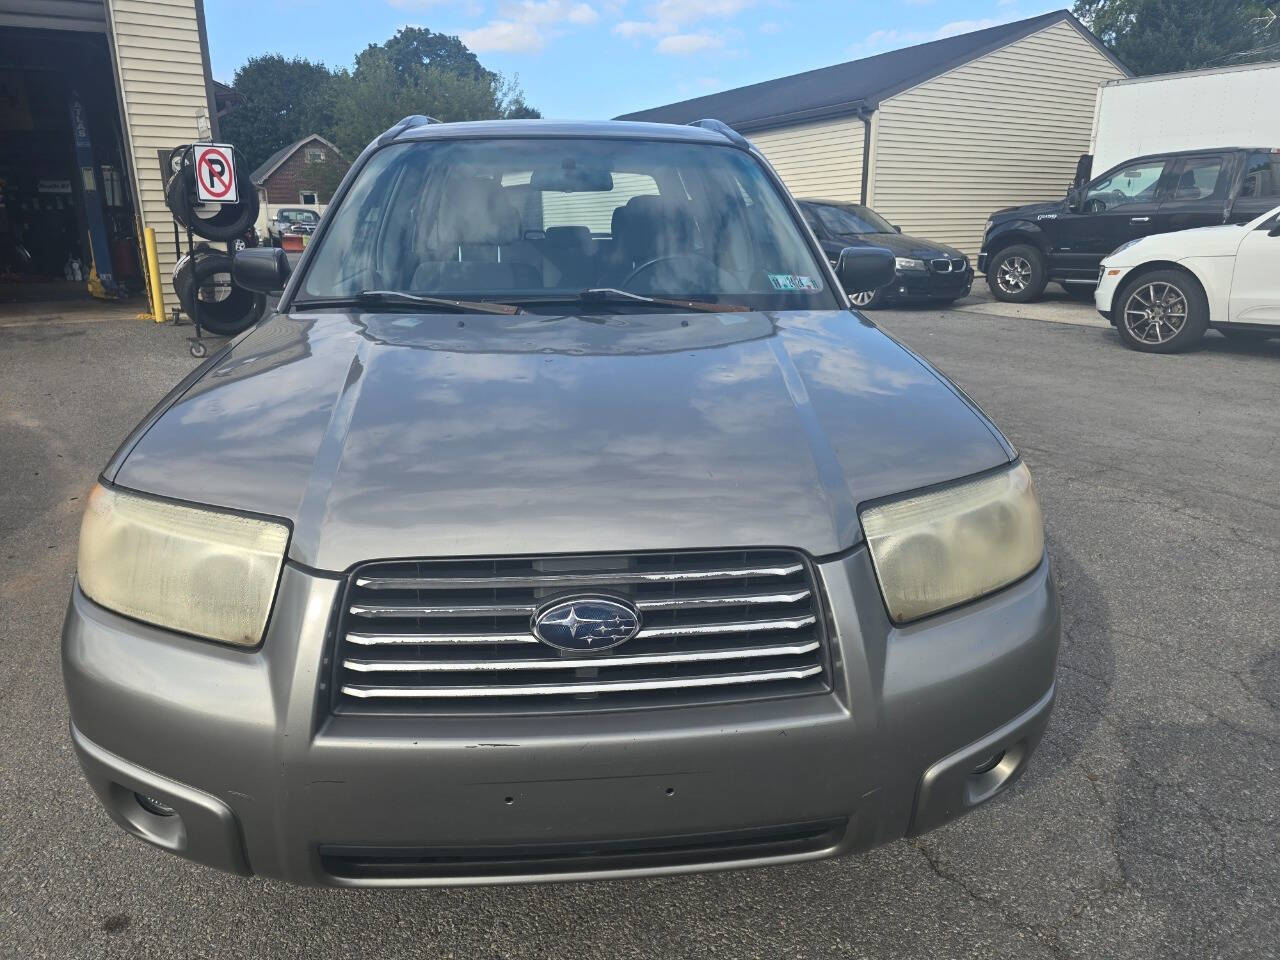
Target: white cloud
column 504, row 36
column 638, row 28
column 671, row 21
column 548, row 11
column 525, row 26
column 679, row 44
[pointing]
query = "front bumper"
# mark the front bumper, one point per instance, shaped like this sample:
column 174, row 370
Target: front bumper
column 1110, row 279
column 927, row 285
column 263, row 779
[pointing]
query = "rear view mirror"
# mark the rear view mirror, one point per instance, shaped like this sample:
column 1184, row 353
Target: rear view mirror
column 261, row 269
column 864, row 269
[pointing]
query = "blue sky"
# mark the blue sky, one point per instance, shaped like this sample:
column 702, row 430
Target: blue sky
column 594, row 59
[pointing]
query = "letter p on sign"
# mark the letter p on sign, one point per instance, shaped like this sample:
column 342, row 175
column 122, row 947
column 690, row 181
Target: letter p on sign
column 215, row 173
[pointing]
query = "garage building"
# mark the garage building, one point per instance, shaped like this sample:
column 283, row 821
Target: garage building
column 90, row 92
column 935, row 137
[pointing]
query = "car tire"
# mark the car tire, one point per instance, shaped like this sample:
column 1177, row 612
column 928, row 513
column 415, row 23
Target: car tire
column 1017, row 274
column 225, row 309
column 868, row 300
column 211, row 221
column 1161, row 311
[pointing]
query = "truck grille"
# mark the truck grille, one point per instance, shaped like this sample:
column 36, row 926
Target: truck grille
column 454, row 636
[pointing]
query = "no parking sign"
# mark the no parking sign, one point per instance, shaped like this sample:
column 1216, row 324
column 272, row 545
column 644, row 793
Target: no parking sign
column 215, row 173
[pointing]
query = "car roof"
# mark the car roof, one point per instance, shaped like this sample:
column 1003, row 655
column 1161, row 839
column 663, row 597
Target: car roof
column 1194, row 153
column 592, row 130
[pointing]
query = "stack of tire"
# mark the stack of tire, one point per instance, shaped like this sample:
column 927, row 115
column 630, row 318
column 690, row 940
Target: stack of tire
column 202, row 278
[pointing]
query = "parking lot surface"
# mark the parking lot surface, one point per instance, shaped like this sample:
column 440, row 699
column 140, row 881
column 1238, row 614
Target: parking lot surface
column 1147, row 826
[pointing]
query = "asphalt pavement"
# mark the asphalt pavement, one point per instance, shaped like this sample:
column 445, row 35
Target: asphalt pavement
column 1148, row 825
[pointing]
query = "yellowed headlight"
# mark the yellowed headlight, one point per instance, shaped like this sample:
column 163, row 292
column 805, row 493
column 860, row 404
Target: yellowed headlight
column 939, row 549
column 181, row 567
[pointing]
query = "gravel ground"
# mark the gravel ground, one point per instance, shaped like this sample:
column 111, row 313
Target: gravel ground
column 1147, row 825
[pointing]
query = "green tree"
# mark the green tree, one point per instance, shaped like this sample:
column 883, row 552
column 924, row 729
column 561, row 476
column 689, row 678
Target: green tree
column 284, row 100
column 416, row 71
column 1163, row 36
column 414, row 47
column 380, row 92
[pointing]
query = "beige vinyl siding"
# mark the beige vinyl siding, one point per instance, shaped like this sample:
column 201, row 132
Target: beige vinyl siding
column 89, row 15
column 158, row 60
column 818, row 160
column 1004, row 129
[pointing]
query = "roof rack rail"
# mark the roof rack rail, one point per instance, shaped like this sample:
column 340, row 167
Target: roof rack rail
column 722, row 128
column 415, row 120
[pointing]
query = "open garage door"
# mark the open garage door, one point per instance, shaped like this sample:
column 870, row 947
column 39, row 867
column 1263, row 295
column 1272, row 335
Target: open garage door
column 67, row 216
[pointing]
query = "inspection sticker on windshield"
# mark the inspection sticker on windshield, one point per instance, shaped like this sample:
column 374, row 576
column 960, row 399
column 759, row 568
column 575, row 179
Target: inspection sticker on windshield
column 790, row 281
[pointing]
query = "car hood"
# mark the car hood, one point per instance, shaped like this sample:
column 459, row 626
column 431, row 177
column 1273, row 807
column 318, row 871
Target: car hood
column 1027, row 211
column 380, row 436
column 1219, row 240
column 902, row 245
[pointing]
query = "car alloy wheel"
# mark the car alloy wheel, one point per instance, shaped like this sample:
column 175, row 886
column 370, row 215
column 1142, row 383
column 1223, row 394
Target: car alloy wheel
column 862, row 297
column 1155, row 312
column 1014, row 274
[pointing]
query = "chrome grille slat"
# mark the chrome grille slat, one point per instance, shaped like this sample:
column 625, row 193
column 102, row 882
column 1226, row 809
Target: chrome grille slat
column 566, row 663
column 715, row 629
column 560, row 689
column 444, row 640
column 455, row 636
column 561, row 580
column 441, row 610
column 732, row 600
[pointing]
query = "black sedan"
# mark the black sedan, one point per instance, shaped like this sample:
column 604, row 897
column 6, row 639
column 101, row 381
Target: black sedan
column 926, row 270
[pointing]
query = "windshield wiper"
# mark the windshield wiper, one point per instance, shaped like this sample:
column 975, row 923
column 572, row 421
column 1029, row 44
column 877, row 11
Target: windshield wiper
column 614, row 295
column 376, row 298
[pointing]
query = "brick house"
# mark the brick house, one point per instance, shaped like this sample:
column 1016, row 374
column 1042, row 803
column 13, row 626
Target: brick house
column 304, row 173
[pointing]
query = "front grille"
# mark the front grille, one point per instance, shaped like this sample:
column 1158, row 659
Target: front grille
column 941, row 265
column 549, row 859
column 455, row 635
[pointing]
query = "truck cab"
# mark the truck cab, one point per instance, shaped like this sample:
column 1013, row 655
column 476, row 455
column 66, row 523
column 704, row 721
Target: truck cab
column 1025, row 248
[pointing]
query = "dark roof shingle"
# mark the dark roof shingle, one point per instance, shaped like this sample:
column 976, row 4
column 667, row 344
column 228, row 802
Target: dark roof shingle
column 844, row 88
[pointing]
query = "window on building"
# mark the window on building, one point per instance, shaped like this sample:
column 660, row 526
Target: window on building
column 314, row 155
column 308, row 197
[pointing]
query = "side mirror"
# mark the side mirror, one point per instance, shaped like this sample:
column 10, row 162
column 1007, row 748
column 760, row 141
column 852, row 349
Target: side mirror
column 1074, row 196
column 863, row 269
column 261, row 269
column 1275, row 230
column 896, row 228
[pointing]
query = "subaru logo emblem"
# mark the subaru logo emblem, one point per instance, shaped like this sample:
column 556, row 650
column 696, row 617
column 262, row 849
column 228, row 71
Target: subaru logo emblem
column 586, row 624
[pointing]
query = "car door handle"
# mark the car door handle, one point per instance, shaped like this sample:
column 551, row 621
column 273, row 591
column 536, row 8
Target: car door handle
column 1139, row 219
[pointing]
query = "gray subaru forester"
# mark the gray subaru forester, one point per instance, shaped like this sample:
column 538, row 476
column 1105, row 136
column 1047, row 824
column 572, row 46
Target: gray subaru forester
column 564, row 523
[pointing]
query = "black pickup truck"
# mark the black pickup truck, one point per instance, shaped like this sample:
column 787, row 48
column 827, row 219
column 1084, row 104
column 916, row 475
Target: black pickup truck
column 1025, row 248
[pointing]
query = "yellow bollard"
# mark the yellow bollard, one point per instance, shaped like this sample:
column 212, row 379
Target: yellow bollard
column 153, row 275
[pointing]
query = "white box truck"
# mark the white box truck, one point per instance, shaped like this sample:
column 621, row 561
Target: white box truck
column 1196, row 110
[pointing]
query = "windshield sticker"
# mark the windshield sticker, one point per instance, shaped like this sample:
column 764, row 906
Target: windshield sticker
column 791, row 281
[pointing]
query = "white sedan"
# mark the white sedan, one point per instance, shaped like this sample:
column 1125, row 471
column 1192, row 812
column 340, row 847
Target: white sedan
column 1164, row 291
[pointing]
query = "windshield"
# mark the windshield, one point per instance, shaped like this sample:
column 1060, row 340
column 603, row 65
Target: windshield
column 298, row 216
column 852, row 220
column 523, row 220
